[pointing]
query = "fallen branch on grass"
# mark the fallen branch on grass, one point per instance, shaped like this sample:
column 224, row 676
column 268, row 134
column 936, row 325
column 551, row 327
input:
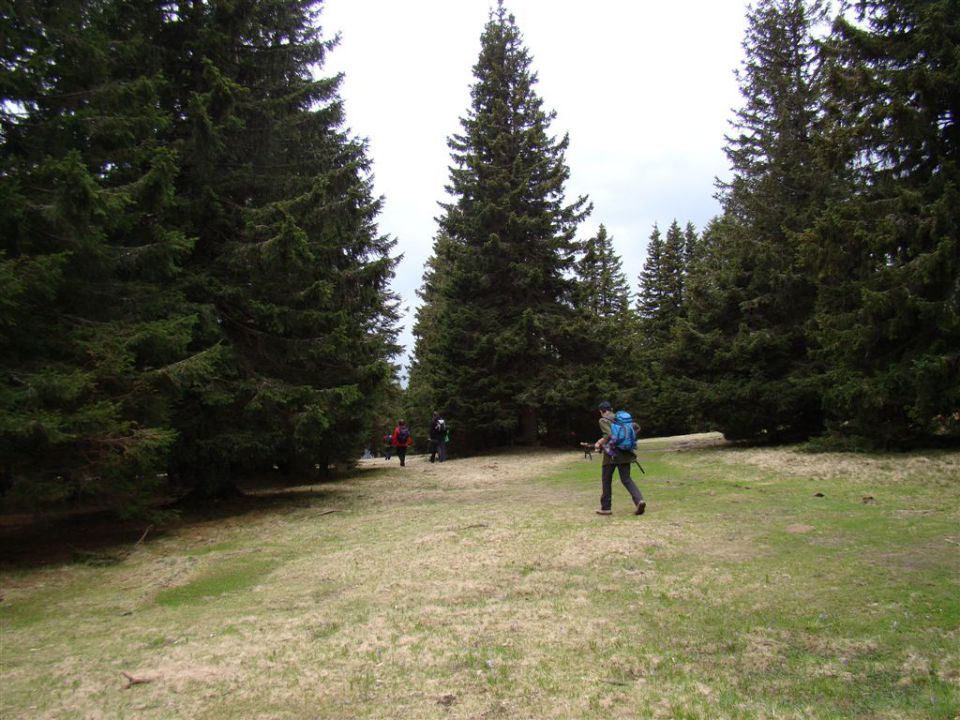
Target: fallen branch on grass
column 144, row 536
column 131, row 680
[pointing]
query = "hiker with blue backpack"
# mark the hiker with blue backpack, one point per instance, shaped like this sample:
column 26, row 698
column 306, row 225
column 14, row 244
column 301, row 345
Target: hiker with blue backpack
column 401, row 440
column 618, row 444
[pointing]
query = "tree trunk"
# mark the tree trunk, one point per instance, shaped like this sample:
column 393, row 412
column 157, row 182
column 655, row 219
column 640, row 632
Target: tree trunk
column 528, row 426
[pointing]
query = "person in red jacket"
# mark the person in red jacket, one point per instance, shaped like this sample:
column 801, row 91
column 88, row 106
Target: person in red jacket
column 401, row 440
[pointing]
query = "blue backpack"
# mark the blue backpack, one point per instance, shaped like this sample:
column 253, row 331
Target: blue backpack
column 622, row 434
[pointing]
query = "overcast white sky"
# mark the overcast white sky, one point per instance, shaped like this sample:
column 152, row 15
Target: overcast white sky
column 645, row 89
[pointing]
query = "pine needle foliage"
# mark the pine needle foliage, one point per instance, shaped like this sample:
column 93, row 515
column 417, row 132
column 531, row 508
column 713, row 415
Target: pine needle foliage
column 664, row 401
column 760, row 382
column 886, row 249
column 599, row 363
column 504, row 308
column 192, row 281
column 288, row 258
column 91, row 257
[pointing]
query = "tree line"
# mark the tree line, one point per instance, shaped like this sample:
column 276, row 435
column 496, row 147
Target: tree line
column 823, row 302
column 192, row 283
column 193, row 286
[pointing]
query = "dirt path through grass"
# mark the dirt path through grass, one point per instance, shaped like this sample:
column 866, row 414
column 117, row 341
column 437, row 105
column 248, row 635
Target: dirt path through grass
column 759, row 585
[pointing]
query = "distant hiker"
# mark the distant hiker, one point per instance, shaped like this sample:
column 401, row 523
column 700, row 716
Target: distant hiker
column 618, row 444
column 438, row 438
column 401, row 440
column 388, row 446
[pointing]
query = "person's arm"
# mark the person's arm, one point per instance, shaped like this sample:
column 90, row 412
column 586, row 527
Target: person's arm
column 605, row 429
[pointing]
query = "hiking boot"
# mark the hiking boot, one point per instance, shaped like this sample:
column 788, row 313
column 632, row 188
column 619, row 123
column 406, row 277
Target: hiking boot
column 604, row 512
column 641, row 508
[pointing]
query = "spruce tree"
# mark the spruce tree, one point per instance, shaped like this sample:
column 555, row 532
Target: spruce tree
column 602, row 290
column 886, row 249
column 91, row 256
column 760, row 384
column 506, row 306
column 690, row 242
column 424, row 392
column 711, row 315
column 192, row 278
column 663, row 393
column 661, row 282
column 287, row 254
column 598, row 363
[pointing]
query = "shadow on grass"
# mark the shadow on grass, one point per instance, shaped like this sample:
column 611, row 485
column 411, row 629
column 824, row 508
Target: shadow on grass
column 100, row 537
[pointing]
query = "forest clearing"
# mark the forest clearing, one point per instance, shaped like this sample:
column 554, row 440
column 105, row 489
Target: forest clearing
column 761, row 583
column 205, row 287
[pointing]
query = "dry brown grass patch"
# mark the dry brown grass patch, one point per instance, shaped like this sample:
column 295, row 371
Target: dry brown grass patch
column 862, row 469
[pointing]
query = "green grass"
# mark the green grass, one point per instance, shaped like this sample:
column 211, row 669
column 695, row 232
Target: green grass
column 760, row 584
column 229, row 577
column 794, row 604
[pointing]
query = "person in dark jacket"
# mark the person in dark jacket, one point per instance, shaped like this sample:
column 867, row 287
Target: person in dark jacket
column 615, row 458
column 438, row 438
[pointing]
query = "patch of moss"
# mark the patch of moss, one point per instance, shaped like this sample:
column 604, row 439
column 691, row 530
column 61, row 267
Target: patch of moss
column 227, row 578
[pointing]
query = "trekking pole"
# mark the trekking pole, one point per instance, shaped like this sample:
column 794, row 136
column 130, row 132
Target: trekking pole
column 637, row 462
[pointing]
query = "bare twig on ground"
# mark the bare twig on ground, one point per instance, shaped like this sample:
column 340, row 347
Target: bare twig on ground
column 131, row 680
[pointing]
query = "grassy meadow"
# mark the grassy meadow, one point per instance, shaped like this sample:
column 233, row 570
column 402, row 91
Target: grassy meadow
column 761, row 583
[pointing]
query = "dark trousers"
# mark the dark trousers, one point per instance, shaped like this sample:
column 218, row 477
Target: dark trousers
column 402, row 454
column 438, row 448
column 606, row 478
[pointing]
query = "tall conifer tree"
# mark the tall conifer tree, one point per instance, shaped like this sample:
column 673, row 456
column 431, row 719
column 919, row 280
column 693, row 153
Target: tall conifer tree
column 424, row 391
column 506, row 306
column 690, row 241
column 91, row 255
column 760, row 383
column 652, row 291
column 192, row 277
column 598, row 364
column 287, row 256
column 661, row 298
column 887, row 249
column 602, row 290
column 664, row 396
